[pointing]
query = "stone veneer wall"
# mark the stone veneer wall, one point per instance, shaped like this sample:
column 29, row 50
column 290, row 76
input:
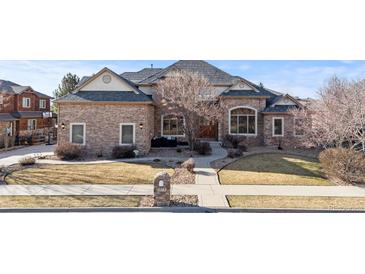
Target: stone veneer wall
column 257, row 103
column 103, row 124
column 289, row 140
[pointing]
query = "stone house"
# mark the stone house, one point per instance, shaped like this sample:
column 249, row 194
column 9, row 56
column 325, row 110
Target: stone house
column 23, row 111
column 110, row 109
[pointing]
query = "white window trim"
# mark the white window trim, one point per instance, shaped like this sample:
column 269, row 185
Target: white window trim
column 42, row 103
column 84, row 136
column 295, row 133
column 26, row 99
column 242, row 134
column 273, row 126
column 35, row 124
column 166, row 135
column 120, row 133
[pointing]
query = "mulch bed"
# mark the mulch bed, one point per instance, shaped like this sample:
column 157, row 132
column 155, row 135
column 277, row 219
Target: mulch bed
column 176, row 201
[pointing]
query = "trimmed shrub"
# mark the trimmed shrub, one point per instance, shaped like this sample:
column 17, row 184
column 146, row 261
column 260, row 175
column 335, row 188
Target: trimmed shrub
column 232, row 141
column 346, row 165
column 27, row 161
column 189, row 165
column 68, row 152
column 203, row 148
column 234, row 152
column 242, row 146
column 120, row 152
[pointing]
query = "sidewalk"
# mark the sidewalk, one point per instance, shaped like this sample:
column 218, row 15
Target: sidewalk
column 11, row 157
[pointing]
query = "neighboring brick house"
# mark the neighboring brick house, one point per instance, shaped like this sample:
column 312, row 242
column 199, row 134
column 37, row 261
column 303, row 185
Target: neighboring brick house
column 23, row 111
column 108, row 109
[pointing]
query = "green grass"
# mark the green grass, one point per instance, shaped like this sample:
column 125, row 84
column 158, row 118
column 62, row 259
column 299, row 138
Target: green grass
column 273, row 169
column 111, row 173
column 46, row 201
column 310, row 202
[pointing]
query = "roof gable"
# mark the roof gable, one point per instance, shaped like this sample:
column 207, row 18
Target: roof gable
column 285, row 100
column 107, row 80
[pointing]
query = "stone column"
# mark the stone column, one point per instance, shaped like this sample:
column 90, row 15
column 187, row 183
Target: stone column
column 162, row 189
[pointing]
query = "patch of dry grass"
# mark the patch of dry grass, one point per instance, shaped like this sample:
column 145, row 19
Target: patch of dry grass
column 273, row 169
column 310, row 202
column 111, row 173
column 46, row 201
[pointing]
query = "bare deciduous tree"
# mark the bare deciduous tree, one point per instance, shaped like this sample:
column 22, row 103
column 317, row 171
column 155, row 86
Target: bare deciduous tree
column 337, row 117
column 191, row 96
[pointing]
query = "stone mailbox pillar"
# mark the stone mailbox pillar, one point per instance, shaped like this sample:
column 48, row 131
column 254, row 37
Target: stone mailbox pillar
column 161, row 189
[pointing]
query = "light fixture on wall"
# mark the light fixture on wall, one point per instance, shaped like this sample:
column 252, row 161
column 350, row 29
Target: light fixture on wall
column 141, row 125
column 63, row 126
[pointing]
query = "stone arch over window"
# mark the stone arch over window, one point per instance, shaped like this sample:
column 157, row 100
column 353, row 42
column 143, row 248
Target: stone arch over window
column 242, row 120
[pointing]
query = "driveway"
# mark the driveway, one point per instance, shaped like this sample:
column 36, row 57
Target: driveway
column 13, row 156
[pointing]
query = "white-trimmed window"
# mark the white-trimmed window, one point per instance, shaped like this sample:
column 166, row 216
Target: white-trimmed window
column 172, row 125
column 32, row 124
column 278, row 126
column 242, row 121
column 127, row 134
column 42, row 103
column 78, row 133
column 298, row 127
column 26, row 102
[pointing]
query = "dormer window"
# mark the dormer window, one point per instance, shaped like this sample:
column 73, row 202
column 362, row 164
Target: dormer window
column 42, row 103
column 26, row 102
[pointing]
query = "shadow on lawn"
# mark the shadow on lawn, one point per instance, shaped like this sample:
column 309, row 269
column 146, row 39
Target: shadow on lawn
column 277, row 163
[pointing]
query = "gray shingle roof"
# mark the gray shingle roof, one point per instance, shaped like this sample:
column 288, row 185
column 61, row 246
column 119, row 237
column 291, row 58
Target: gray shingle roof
column 27, row 114
column 278, row 109
column 11, row 87
column 141, row 75
column 247, row 93
column 7, row 117
column 105, row 96
column 212, row 73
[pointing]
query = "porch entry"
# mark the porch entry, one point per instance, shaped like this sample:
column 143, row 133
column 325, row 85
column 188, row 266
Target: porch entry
column 208, row 129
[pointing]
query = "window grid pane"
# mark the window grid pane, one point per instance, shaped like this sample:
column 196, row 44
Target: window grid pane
column 127, row 134
column 173, row 125
column 278, row 129
column 243, row 124
column 77, row 134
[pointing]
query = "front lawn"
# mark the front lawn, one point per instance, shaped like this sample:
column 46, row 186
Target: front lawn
column 273, row 169
column 307, row 202
column 85, row 201
column 110, row 173
column 63, row 201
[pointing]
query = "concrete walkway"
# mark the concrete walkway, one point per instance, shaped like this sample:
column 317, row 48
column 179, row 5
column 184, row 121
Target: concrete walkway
column 200, row 190
column 11, row 157
column 207, row 176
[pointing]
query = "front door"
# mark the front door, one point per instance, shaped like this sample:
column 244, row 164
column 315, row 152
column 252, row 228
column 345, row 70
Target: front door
column 208, row 130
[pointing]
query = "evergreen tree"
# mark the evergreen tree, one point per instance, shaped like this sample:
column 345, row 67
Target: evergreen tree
column 67, row 85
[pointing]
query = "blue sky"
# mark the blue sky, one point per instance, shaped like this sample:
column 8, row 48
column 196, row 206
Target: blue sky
column 299, row 78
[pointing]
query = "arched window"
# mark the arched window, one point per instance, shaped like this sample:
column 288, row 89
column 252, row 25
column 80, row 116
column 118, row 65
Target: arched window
column 172, row 125
column 242, row 121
